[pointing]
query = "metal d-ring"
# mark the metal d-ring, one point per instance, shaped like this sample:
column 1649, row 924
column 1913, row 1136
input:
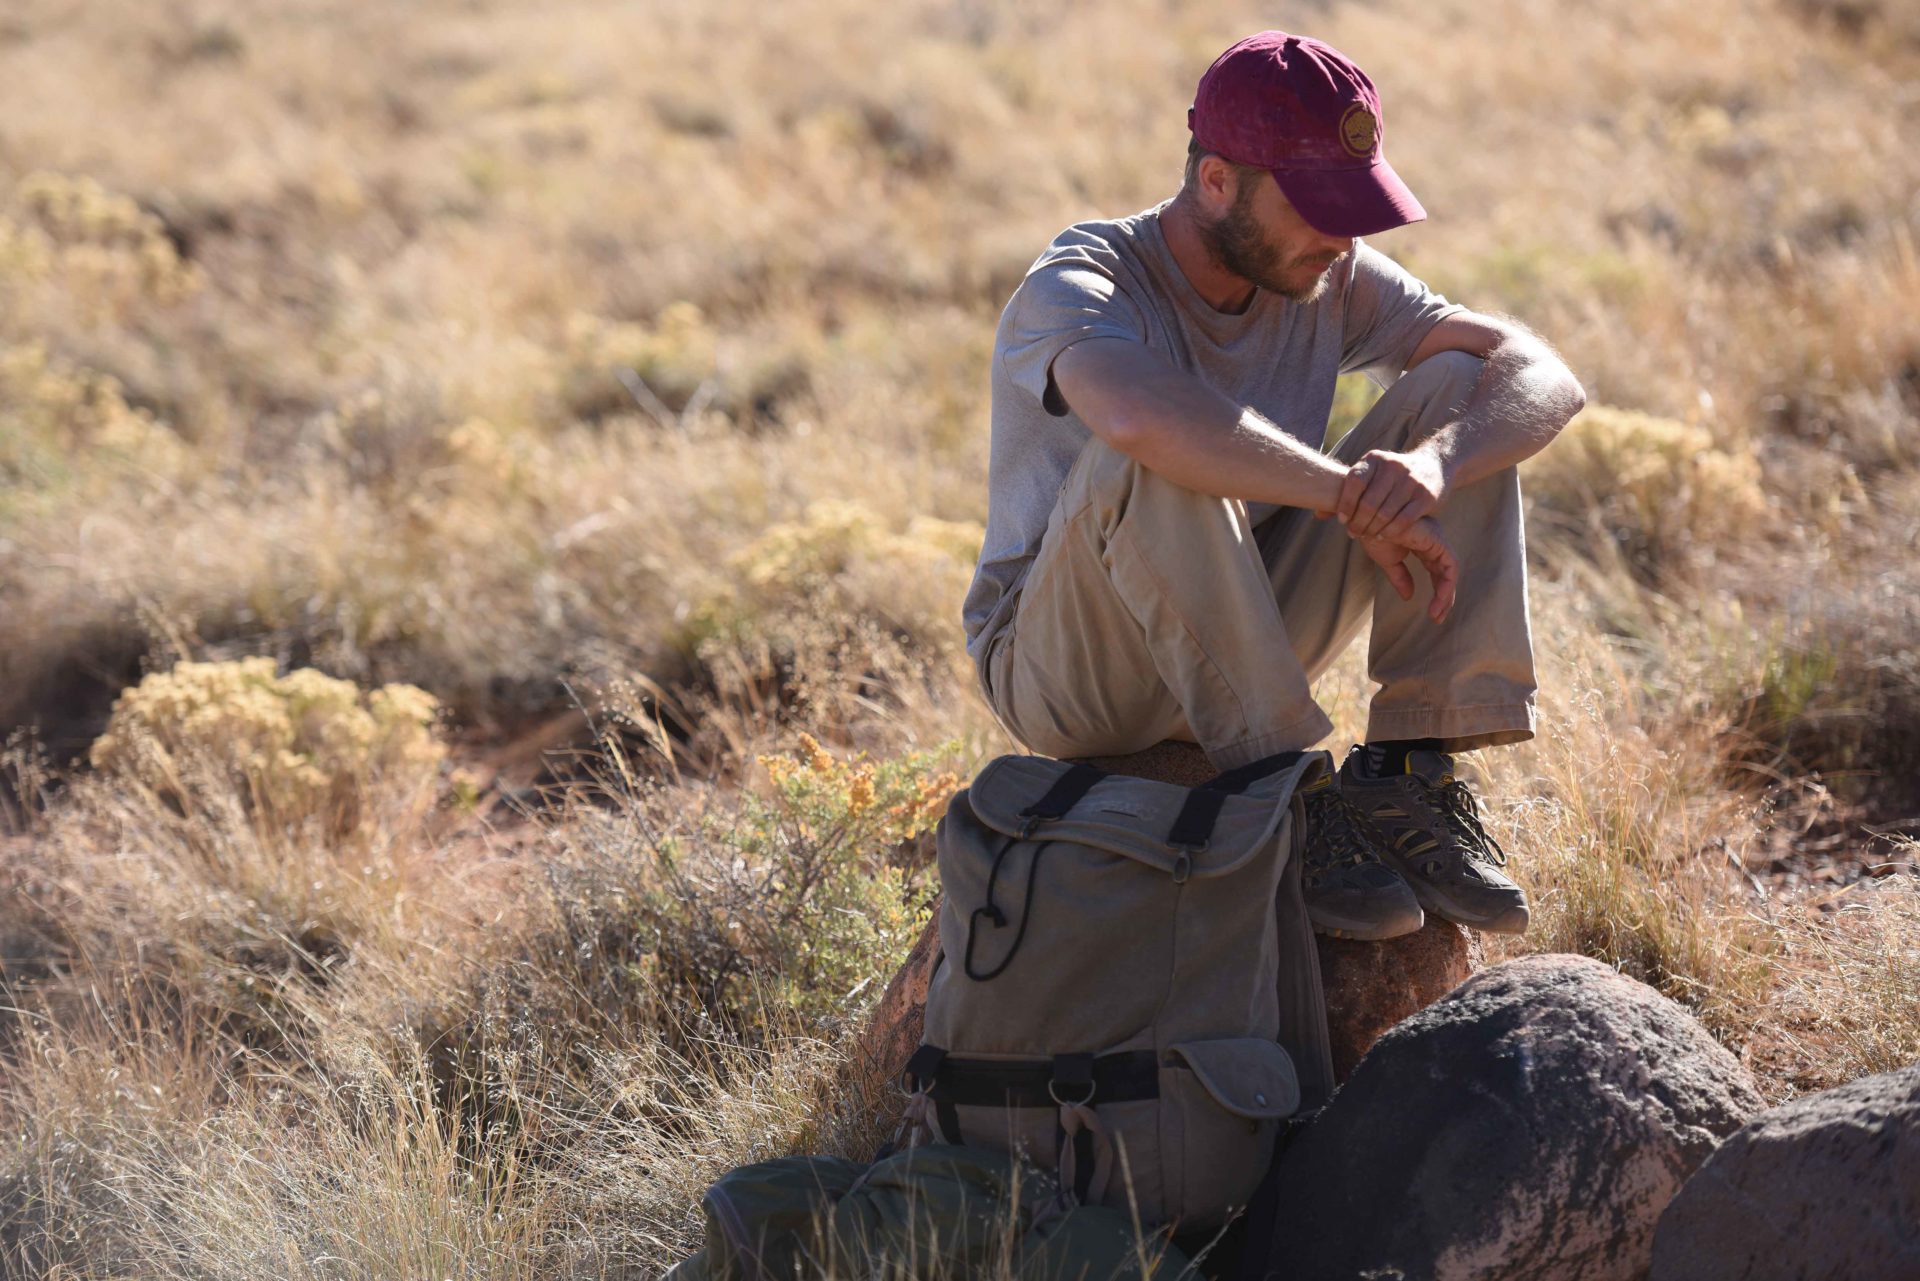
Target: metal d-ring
column 1183, row 861
column 1053, row 1092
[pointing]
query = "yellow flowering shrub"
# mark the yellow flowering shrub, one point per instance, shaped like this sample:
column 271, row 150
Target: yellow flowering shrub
column 871, row 804
column 839, row 561
column 101, row 252
column 300, row 747
column 1659, row 487
column 673, row 356
column 804, row 899
column 829, row 834
column 53, row 417
column 70, row 248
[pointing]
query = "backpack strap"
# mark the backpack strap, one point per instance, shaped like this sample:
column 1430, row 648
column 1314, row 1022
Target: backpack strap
column 1124, row 1076
column 1074, row 1084
column 1193, row 827
column 1235, row 781
column 1065, row 792
column 920, row 1076
column 1073, row 1088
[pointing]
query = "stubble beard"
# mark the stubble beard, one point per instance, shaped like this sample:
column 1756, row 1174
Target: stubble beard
column 1237, row 244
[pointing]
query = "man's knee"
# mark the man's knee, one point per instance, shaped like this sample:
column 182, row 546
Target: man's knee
column 1101, row 474
column 1120, row 488
column 1448, row 375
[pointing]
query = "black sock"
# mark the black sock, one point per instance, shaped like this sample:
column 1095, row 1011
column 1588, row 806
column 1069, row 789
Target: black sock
column 1390, row 757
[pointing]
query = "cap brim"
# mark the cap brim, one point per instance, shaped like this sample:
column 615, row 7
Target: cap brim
column 1350, row 202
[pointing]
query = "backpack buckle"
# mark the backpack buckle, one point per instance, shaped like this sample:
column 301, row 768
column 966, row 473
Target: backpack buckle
column 1072, row 1072
column 922, row 1071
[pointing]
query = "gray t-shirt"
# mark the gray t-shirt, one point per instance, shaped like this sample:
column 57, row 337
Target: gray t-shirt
column 1118, row 279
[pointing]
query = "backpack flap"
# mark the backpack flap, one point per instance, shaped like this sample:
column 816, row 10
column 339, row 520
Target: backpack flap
column 1136, row 817
column 1248, row 1076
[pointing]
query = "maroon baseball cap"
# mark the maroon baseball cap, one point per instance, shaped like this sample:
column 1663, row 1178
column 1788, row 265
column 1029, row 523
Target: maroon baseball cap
column 1299, row 108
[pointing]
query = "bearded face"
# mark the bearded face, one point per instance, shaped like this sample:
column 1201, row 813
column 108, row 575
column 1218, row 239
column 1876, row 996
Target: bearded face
column 1239, row 243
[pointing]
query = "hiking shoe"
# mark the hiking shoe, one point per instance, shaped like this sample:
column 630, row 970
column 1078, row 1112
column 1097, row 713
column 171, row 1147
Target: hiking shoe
column 1430, row 832
column 1349, row 892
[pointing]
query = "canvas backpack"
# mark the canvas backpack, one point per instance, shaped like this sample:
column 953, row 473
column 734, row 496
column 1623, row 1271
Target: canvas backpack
column 1128, row 991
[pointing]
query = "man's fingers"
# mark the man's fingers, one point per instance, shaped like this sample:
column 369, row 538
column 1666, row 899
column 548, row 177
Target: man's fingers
column 1444, row 588
column 1444, row 570
column 1402, row 524
column 1401, row 579
column 1394, row 514
column 1366, row 521
column 1351, row 488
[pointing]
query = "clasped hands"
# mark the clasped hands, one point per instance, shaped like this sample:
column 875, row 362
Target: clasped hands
column 1387, row 502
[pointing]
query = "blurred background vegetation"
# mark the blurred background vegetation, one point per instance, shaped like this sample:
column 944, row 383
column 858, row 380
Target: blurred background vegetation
column 516, row 467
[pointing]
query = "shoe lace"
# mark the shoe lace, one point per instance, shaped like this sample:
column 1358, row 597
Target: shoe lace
column 1339, row 833
column 1462, row 814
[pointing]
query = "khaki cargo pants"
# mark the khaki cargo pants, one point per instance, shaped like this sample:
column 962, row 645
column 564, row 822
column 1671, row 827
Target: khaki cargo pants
column 1154, row 612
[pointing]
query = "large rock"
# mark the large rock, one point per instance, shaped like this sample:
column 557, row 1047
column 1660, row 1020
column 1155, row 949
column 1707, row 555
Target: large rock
column 899, row 1019
column 1169, row 762
column 1372, row 986
column 1533, row 1123
column 1827, row 1186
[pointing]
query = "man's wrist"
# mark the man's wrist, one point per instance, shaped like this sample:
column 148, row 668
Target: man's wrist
column 1327, row 479
column 1442, row 447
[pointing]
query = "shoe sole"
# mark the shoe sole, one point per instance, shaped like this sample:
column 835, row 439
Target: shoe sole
column 1512, row 919
column 1362, row 931
column 1509, row 920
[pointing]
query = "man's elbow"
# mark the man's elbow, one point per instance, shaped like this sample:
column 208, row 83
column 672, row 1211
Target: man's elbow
column 1098, row 394
column 1575, row 395
column 1122, row 427
column 1118, row 420
column 1568, row 396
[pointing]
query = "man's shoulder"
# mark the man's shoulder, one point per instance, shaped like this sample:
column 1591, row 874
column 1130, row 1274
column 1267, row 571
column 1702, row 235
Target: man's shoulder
column 1109, row 245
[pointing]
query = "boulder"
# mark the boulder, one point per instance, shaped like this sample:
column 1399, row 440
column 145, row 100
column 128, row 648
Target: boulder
column 1825, row 1186
column 898, row 1020
column 1533, row 1123
column 1169, row 762
column 1372, row 986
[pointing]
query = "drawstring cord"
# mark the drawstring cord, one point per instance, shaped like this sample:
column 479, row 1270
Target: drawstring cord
column 993, row 913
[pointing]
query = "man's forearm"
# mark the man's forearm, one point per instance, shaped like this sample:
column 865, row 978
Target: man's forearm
column 1236, row 453
column 1176, row 425
column 1524, row 396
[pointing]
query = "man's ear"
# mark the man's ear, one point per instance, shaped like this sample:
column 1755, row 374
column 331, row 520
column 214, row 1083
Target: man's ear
column 1218, row 183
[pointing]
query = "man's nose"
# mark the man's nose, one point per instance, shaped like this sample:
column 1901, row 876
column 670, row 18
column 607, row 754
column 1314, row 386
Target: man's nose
column 1339, row 244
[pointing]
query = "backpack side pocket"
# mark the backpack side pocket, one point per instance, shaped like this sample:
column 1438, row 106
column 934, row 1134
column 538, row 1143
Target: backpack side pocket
column 1222, row 1102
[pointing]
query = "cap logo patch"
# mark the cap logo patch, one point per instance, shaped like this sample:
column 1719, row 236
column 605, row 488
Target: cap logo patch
column 1359, row 130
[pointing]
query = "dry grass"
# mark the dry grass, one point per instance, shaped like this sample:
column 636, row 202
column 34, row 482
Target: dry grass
column 517, row 354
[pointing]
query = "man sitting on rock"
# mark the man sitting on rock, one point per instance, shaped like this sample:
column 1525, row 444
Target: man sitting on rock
column 1169, row 554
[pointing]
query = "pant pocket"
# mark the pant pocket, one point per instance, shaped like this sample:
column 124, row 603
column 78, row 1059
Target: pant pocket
column 1223, row 1102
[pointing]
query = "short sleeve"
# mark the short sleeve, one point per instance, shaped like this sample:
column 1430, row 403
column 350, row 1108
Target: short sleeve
column 1388, row 312
column 1057, row 305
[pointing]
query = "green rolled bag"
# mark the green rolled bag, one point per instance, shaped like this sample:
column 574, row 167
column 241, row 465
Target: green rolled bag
column 933, row 1211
